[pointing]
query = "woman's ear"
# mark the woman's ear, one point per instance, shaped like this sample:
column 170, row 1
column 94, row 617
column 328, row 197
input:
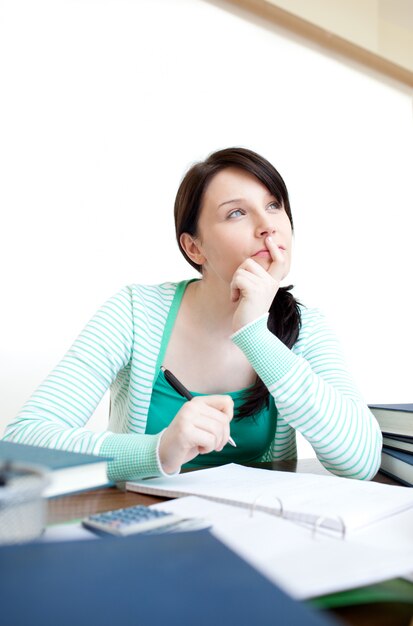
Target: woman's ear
column 191, row 248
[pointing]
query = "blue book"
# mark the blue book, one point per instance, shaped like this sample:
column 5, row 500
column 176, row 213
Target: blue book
column 397, row 464
column 405, row 444
column 394, row 419
column 394, row 407
column 69, row 471
column 179, row 579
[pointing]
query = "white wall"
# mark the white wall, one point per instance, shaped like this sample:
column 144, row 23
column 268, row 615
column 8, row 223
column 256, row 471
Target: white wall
column 104, row 105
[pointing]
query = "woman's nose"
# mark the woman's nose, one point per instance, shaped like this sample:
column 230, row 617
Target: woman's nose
column 265, row 228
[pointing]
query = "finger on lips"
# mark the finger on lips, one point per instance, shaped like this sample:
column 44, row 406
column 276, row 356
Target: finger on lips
column 270, row 241
column 273, row 249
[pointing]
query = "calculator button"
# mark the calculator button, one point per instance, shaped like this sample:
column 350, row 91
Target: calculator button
column 131, row 520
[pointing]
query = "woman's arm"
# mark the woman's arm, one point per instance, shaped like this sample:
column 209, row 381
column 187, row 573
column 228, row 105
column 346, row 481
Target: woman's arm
column 56, row 414
column 315, row 394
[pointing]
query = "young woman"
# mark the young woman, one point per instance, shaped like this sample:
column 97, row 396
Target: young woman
column 259, row 364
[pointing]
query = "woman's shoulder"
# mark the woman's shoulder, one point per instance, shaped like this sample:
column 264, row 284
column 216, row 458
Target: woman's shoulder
column 138, row 296
column 313, row 324
column 153, row 295
column 161, row 290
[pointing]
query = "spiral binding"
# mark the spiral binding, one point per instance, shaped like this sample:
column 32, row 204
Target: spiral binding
column 254, row 504
column 318, row 524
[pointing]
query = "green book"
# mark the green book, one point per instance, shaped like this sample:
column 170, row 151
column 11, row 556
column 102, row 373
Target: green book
column 396, row 590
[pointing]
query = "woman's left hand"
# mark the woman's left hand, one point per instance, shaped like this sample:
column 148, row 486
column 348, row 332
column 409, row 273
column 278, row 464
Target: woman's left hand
column 254, row 288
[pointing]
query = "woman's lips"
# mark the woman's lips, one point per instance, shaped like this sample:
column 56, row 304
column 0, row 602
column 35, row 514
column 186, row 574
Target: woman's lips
column 264, row 253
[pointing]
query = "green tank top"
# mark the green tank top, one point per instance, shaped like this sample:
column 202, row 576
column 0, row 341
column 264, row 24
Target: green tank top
column 253, row 435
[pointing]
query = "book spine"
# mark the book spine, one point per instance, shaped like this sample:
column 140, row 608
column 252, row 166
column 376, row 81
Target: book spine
column 394, row 477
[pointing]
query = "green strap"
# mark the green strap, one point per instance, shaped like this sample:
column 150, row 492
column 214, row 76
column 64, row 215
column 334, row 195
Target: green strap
column 173, row 311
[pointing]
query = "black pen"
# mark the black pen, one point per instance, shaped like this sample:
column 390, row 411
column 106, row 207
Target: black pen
column 183, row 391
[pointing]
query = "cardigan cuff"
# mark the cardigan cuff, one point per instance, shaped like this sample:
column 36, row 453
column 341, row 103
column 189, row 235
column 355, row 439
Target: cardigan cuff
column 269, row 357
column 134, row 456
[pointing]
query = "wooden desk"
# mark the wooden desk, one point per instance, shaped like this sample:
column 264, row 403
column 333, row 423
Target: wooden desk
column 86, row 503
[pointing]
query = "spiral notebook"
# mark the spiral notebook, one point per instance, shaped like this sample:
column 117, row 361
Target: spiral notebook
column 329, row 502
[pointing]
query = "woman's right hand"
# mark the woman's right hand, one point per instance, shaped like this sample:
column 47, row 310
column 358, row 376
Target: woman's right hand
column 199, row 427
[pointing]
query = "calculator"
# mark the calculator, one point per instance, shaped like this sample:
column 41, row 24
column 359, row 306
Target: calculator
column 140, row 519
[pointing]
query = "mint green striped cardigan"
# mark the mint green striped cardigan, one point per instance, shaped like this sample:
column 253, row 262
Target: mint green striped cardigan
column 119, row 348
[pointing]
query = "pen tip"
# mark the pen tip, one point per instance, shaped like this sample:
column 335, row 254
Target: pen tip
column 162, row 368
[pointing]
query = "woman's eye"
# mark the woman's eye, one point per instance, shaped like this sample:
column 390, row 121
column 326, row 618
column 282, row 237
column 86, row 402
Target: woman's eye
column 274, row 206
column 235, row 213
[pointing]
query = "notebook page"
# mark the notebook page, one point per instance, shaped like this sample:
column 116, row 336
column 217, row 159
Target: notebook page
column 303, row 497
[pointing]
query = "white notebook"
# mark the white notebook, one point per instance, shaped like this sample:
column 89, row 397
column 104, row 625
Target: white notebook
column 330, row 502
column 305, row 564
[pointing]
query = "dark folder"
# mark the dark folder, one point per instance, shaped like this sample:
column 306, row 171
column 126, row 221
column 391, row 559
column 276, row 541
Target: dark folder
column 182, row 579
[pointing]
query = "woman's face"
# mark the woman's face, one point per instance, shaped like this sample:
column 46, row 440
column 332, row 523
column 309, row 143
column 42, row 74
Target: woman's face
column 237, row 214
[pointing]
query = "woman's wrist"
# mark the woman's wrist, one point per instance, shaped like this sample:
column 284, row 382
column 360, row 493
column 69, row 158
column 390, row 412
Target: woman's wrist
column 165, row 466
column 249, row 324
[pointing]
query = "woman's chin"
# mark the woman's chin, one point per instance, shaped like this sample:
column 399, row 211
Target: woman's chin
column 264, row 261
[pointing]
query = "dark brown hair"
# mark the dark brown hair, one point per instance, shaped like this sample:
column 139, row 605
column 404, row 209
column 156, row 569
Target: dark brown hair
column 284, row 314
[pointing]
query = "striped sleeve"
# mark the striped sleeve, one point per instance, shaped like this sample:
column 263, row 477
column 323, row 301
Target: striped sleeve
column 56, row 414
column 315, row 395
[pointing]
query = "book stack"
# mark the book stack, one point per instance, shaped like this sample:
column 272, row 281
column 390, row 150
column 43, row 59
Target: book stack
column 69, row 472
column 29, row 474
column 396, row 424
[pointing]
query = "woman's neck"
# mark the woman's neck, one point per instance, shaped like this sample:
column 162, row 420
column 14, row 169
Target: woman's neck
column 211, row 305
